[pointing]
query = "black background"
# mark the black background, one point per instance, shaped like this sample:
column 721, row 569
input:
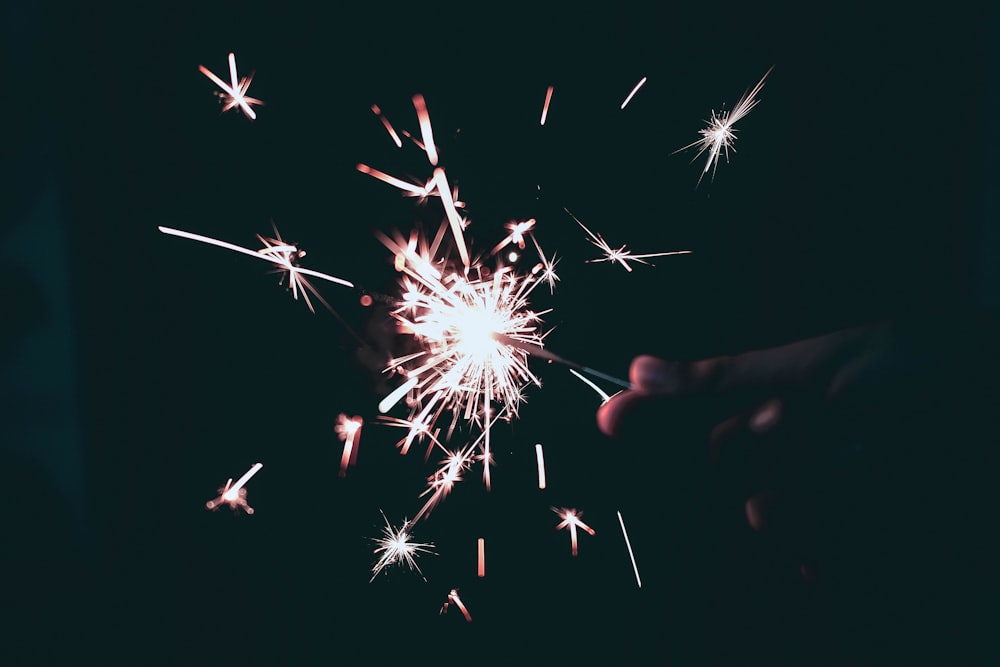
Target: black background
column 856, row 191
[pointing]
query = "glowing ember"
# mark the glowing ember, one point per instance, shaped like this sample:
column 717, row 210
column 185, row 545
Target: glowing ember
column 453, row 599
column 571, row 519
column 634, row 90
column 234, row 95
column 347, row 429
column 481, row 567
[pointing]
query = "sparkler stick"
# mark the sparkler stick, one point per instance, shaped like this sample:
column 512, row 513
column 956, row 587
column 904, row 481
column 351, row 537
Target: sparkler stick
column 604, row 396
column 540, row 352
column 235, row 495
column 631, row 555
column 545, row 106
column 635, row 89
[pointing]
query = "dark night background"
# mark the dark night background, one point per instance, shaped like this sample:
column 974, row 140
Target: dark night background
column 139, row 371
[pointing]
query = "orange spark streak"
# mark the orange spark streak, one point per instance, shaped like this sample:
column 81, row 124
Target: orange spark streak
column 481, row 571
column 425, row 128
column 388, row 126
column 453, row 598
column 545, row 107
column 629, row 546
column 541, row 466
column 347, row 430
column 235, row 495
column 635, row 89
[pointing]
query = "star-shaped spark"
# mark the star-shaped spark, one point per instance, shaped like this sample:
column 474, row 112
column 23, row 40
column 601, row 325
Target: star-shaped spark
column 234, row 94
column 719, row 136
column 571, row 519
column 396, row 546
column 620, row 255
column 235, row 495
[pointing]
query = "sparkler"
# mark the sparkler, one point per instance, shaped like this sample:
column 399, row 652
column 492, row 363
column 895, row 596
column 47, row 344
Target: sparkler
column 571, row 519
column 397, row 547
column 620, row 255
column 719, row 136
column 235, row 495
column 234, row 95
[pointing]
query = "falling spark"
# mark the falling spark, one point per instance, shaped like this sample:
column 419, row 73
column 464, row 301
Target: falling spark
column 621, row 255
column 571, row 519
column 235, row 495
column 234, row 95
column 481, row 568
column 396, row 394
column 443, row 480
column 631, row 555
column 635, row 89
column 719, row 136
column 600, row 392
column 413, row 188
column 541, row 466
column 426, row 131
column 347, row 429
column 388, row 126
column 516, row 236
column 457, row 601
column 545, row 106
column 546, row 268
column 277, row 252
column 397, row 547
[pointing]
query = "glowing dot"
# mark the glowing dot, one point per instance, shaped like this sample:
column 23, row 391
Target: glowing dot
column 512, row 257
column 366, row 300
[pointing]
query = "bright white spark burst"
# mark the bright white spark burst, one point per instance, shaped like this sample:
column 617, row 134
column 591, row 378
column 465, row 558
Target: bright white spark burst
column 235, row 495
column 571, row 519
column 396, row 546
column 620, row 255
column 234, row 94
column 719, row 136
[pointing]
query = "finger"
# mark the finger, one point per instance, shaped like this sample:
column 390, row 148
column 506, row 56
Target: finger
column 794, row 365
column 747, row 427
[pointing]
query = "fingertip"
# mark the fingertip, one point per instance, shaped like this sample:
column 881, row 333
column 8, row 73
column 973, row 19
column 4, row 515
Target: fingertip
column 654, row 375
column 613, row 415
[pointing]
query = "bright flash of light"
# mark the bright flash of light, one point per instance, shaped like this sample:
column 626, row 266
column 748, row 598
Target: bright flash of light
column 718, row 137
column 517, row 231
column 631, row 555
column 545, row 106
column 234, row 94
column 235, row 495
column 347, row 429
column 283, row 255
column 571, row 519
column 388, row 126
column 454, row 599
column 540, row 458
column 621, row 255
column 396, row 546
column 459, row 318
column 634, row 90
